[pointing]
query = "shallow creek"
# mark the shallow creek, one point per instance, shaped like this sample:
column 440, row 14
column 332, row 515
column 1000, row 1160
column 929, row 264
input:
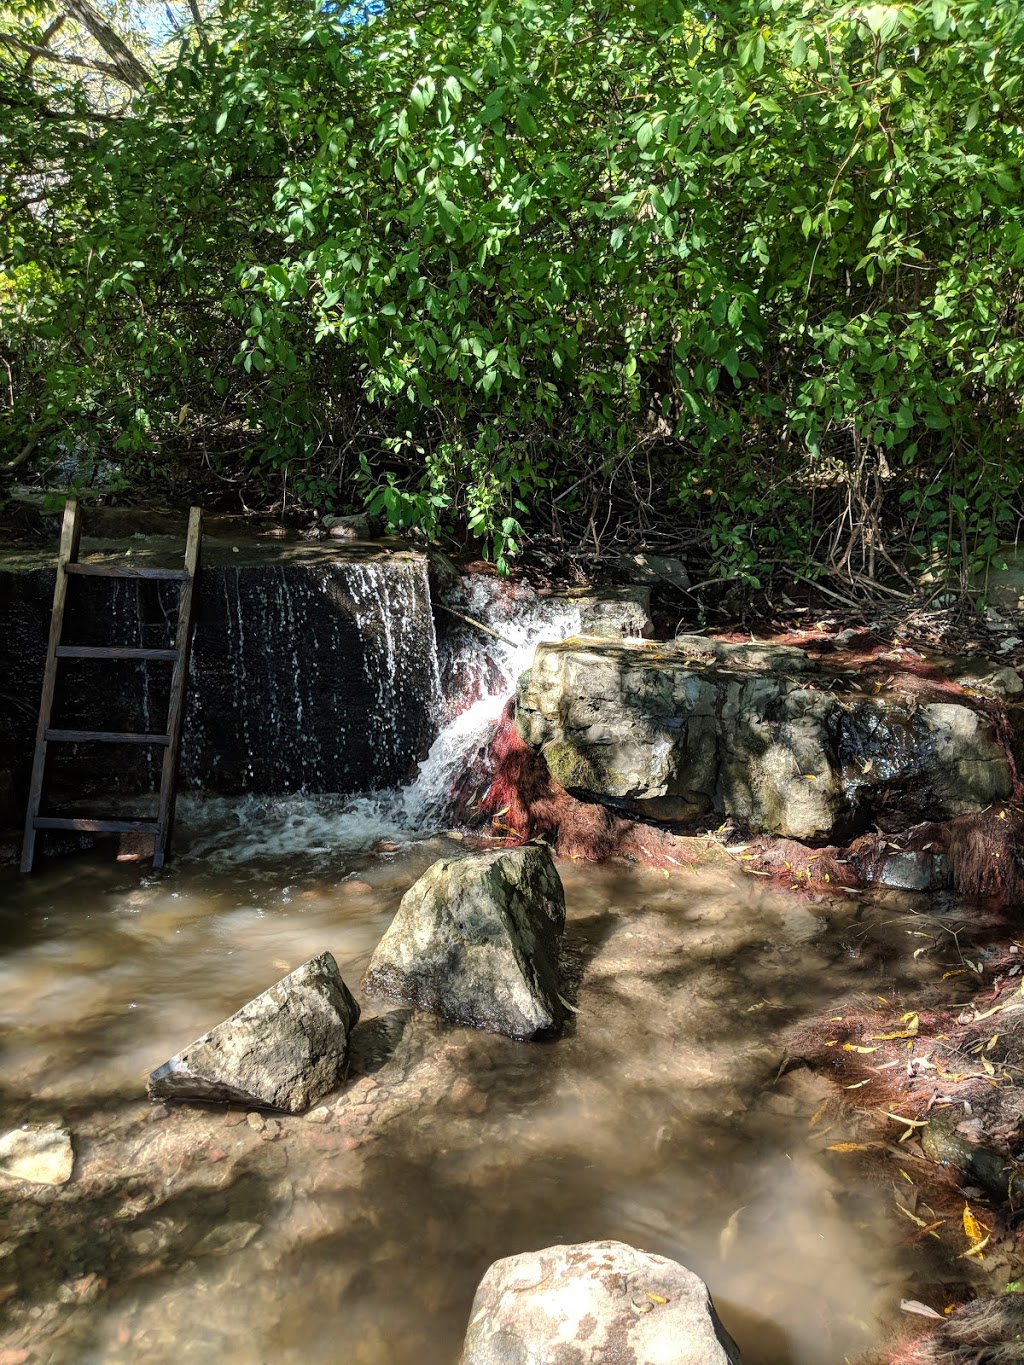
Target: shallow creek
column 198, row 1234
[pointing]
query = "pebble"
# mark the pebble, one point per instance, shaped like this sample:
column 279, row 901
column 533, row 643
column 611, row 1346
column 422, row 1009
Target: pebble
column 38, row 1153
column 256, row 1122
column 319, row 1115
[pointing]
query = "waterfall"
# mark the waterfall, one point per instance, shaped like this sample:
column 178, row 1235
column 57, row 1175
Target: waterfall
column 478, row 670
column 311, row 677
column 321, row 697
column 466, row 676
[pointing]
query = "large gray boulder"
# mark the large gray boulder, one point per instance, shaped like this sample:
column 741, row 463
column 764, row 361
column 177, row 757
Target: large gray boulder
column 596, row 1303
column 689, row 727
column 476, row 940
column 284, row 1050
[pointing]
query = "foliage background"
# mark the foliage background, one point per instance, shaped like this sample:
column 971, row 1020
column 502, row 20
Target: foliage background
column 749, row 279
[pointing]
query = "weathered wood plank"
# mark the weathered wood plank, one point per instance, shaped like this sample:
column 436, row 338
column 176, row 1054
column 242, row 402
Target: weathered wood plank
column 114, row 652
column 95, row 826
column 67, row 554
column 179, row 681
column 127, row 571
column 103, row 737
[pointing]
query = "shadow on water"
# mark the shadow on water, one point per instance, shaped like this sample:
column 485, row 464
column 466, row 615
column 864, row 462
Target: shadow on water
column 658, row 1118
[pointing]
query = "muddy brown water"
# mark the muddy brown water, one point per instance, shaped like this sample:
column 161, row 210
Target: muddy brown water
column 197, row 1234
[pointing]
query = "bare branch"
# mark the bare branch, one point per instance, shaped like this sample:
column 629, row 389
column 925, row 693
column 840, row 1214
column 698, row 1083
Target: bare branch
column 129, row 69
column 65, row 58
column 197, row 19
column 49, row 32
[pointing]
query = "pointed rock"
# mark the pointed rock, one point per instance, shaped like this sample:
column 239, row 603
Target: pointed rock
column 591, row 1304
column 476, row 940
column 284, row 1050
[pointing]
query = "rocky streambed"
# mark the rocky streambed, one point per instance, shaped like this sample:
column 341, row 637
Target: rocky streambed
column 804, row 929
column 673, row 1113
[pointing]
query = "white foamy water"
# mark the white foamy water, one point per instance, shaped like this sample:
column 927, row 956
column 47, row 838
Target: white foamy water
column 472, row 678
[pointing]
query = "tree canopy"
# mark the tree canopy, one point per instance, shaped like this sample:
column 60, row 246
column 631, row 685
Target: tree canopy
column 749, row 271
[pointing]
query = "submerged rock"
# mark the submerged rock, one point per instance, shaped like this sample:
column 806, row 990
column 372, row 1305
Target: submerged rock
column 912, row 870
column 284, row 1050
column 476, row 940
column 40, row 1153
column 675, row 730
column 593, row 1304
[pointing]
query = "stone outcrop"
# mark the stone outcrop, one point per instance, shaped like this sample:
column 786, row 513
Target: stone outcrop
column 691, row 727
column 615, row 612
column 656, row 570
column 39, row 1153
column 593, row 1304
column 284, row 1050
column 476, row 941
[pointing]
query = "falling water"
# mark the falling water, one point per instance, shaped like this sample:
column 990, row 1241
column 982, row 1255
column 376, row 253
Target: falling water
column 465, row 676
column 311, row 678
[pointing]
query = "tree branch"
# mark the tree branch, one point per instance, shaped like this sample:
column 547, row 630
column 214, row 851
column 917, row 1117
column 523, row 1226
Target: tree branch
column 66, row 58
column 197, row 19
column 50, row 32
column 129, row 69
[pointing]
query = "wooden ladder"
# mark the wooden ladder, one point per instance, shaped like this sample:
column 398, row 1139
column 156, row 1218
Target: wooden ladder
column 170, row 741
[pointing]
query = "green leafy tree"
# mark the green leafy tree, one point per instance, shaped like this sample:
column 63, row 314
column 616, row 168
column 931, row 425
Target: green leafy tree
column 751, row 272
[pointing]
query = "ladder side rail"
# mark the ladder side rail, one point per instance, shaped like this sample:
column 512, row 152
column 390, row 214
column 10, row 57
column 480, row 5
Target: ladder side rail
column 179, row 681
column 68, row 553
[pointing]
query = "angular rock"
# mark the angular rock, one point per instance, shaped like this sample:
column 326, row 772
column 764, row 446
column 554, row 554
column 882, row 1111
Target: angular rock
column 913, row 870
column 354, row 527
column 616, row 612
column 476, row 940
column 595, row 1303
column 674, row 730
column 284, row 1050
column 658, row 570
column 40, row 1153
column 994, row 681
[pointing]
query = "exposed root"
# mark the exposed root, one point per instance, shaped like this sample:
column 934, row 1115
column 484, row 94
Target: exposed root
column 986, row 854
column 510, row 789
column 988, row 1331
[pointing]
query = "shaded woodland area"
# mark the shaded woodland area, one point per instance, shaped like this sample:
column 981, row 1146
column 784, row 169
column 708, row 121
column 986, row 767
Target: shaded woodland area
column 746, row 280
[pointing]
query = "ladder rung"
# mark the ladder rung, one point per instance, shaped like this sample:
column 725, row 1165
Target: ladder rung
column 114, row 652
column 125, row 571
column 102, row 737
column 95, row 826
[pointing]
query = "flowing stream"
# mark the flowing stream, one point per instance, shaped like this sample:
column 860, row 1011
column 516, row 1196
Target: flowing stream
column 659, row 1119
column 662, row 1117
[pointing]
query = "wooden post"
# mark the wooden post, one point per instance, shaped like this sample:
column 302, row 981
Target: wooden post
column 179, row 679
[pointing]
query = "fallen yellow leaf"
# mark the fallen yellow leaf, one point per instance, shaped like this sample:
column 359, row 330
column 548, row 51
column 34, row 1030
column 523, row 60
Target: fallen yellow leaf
column 977, row 1232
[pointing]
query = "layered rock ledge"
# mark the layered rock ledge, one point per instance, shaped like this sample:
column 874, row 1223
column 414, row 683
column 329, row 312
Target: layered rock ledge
column 760, row 733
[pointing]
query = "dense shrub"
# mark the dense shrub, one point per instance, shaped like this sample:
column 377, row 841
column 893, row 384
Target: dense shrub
column 751, row 271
